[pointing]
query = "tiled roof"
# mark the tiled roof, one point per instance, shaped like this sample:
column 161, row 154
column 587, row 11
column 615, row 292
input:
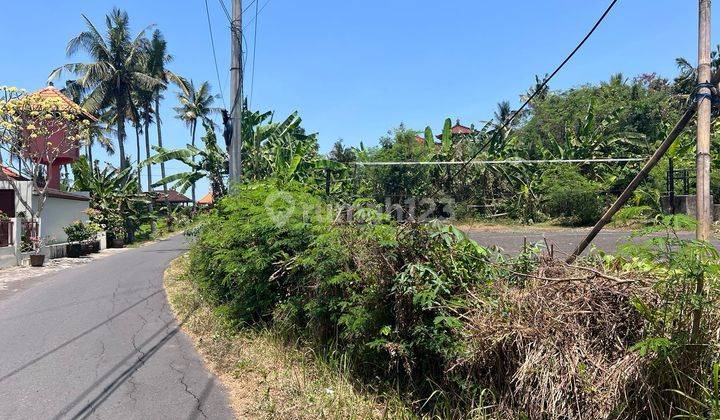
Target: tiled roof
column 12, row 174
column 459, row 129
column 207, row 199
column 51, row 92
column 172, row 196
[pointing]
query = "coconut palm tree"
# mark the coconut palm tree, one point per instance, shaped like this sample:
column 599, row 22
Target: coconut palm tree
column 99, row 129
column 195, row 105
column 115, row 70
column 157, row 59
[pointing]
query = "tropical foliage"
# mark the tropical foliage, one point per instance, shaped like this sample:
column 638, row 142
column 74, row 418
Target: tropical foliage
column 115, row 202
column 211, row 162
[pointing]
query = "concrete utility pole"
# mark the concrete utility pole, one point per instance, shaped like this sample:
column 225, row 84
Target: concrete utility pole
column 704, row 204
column 704, row 201
column 236, row 71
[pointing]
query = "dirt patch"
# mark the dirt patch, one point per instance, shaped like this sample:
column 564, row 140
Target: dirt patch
column 264, row 376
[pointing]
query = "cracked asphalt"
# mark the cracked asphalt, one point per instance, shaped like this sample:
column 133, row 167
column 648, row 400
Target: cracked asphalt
column 99, row 341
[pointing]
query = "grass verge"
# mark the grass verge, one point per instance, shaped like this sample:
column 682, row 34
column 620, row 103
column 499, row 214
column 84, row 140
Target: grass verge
column 265, row 376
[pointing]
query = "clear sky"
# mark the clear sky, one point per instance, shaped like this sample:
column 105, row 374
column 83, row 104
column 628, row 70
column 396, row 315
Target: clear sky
column 354, row 69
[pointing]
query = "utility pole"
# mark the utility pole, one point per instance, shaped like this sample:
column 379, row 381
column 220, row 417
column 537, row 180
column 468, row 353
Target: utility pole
column 236, row 71
column 704, row 204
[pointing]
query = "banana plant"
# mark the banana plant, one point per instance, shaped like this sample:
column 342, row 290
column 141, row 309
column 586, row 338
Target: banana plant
column 277, row 149
column 211, row 162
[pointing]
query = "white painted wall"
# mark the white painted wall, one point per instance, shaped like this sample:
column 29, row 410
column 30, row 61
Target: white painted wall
column 58, row 213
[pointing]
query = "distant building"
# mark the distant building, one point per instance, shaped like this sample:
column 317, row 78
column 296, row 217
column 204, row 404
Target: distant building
column 207, row 200
column 173, row 198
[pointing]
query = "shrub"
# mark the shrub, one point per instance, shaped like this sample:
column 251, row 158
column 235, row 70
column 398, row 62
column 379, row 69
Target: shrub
column 448, row 323
column 249, row 244
column 570, row 196
column 79, row 231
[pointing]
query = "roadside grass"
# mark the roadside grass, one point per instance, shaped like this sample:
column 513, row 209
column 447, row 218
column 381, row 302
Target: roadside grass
column 265, row 376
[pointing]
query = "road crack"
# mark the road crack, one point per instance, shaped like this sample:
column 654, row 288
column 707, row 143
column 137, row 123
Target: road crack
column 198, row 406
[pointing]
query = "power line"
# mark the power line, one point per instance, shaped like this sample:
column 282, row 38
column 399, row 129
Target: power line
column 260, row 11
column 250, row 5
column 212, row 43
column 222, row 4
column 501, row 162
column 507, row 122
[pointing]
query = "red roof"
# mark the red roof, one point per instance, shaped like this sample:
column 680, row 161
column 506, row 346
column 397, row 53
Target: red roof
column 51, row 92
column 12, row 174
column 207, row 199
column 459, row 129
column 172, row 197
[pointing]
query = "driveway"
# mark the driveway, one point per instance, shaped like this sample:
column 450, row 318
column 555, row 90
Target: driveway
column 99, row 341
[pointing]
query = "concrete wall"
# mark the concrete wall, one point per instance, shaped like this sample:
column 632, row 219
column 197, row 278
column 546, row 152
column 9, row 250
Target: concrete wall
column 58, row 213
column 25, row 191
column 7, row 257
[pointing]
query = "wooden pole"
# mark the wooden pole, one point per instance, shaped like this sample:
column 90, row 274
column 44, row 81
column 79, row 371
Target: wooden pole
column 704, row 203
column 236, row 71
column 627, row 193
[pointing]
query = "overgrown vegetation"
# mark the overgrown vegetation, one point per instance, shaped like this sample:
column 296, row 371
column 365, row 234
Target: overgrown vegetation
column 264, row 375
column 459, row 330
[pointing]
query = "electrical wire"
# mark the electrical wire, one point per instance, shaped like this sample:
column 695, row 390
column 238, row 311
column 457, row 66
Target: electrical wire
column 255, row 18
column 501, row 162
column 507, row 122
column 214, row 52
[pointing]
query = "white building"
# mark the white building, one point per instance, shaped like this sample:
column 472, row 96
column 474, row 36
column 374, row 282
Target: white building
column 61, row 208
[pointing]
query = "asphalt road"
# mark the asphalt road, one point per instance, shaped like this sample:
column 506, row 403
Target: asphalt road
column 511, row 240
column 99, row 341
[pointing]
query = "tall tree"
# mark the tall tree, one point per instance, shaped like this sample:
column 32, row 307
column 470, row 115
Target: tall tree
column 195, row 105
column 157, row 58
column 115, row 70
column 98, row 130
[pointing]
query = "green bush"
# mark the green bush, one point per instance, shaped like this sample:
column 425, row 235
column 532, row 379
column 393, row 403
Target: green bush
column 79, row 231
column 250, row 243
column 448, row 323
column 387, row 295
column 571, row 197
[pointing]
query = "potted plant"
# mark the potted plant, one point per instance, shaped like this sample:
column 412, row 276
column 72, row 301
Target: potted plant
column 33, row 244
column 77, row 232
column 118, row 236
column 93, row 241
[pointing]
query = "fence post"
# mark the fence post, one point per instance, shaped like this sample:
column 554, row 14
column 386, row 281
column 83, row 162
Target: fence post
column 17, row 239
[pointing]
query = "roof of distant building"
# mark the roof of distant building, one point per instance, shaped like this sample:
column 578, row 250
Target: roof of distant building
column 459, row 129
column 207, row 199
column 51, row 92
column 172, row 197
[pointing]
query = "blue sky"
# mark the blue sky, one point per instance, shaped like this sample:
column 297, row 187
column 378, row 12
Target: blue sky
column 354, row 69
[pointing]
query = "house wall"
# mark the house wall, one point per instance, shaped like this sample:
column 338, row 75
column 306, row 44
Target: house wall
column 58, row 213
column 26, row 190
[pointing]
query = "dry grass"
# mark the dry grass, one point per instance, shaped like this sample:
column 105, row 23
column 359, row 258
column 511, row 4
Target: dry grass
column 266, row 378
column 559, row 348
